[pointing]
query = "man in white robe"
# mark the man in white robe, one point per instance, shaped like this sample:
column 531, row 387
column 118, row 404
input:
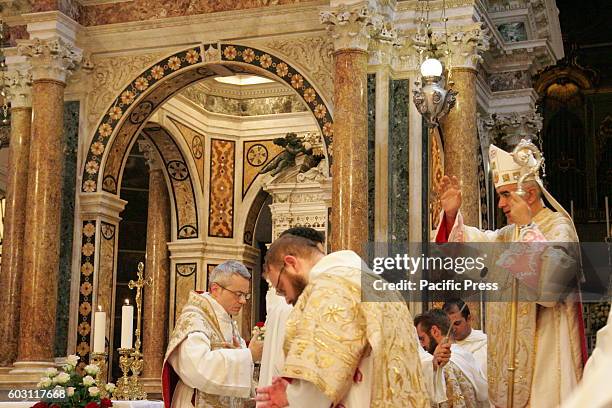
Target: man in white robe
column 550, row 344
column 207, row 363
column 273, row 356
column 473, row 340
column 594, row 389
column 340, row 351
column 464, row 384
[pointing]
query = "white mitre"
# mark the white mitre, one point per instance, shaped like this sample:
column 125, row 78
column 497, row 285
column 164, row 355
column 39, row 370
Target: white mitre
column 507, row 170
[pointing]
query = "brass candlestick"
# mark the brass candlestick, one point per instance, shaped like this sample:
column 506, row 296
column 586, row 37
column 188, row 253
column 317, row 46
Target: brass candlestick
column 122, row 391
column 137, row 391
column 99, row 359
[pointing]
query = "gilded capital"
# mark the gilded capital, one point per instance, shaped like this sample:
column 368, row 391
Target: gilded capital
column 466, row 45
column 349, row 26
column 18, row 81
column 51, row 58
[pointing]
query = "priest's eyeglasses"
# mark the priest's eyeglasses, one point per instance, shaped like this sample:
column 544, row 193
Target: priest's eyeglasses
column 239, row 295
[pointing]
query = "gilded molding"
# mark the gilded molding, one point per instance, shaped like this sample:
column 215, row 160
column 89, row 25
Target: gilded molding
column 52, row 58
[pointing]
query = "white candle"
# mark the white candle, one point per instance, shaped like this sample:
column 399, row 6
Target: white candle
column 99, row 330
column 127, row 325
column 572, row 209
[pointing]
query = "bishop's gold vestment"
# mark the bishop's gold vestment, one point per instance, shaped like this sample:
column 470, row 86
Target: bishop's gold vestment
column 549, row 340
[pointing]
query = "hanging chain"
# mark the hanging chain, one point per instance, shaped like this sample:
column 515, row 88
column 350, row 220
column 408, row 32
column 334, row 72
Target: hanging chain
column 448, row 52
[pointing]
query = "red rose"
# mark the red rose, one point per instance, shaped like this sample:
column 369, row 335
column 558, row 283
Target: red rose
column 41, row 405
column 54, row 406
column 92, row 404
column 105, row 402
column 260, row 324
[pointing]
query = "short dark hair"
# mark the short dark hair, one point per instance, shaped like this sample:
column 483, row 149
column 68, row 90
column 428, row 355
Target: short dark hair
column 305, row 232
column 289, row 244
column 459, row 304
column 433, row 317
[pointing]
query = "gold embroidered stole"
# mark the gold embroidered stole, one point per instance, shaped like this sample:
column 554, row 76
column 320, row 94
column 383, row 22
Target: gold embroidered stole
column 555, row 227
column 330, row 330
column 198, row 315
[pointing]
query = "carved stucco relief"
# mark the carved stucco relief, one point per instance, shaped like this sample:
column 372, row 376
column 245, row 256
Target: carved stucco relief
column 110, row 75
column 313, row 54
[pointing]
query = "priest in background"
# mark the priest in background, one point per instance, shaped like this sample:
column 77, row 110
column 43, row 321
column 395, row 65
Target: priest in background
column 207, row 363
column 464, row 384
column 550, row 340
column 340, row 351
column 472, row 340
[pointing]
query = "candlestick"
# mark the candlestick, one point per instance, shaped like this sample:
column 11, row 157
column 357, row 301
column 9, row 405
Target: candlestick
column 99, row 359
column 122, row 391
column 127, row 325
column 99, row 331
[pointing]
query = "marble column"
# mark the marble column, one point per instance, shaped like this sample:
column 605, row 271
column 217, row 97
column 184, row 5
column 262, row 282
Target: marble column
column 459, row 126
column 155, row 311
column 19, row 81
column 51, row 61
column 349, row 26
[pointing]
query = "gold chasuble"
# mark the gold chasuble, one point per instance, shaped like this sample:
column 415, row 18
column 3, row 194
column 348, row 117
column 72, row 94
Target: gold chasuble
column 201, row 315
column 358, row 354
column 549, row 357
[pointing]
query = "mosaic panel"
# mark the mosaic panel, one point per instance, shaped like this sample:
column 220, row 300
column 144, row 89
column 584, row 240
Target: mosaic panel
column 398, row 160
column 371, row 99
column 71, row 136
column 195, row 141
column 180, row 180
column 185, row 280
column 257, row 153
column 105, row 274
column 161, row 81
column 88, row 248
column 222, row 165
column 249, row 228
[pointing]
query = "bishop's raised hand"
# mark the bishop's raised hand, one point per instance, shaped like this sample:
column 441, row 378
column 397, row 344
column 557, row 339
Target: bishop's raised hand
column 450, row 196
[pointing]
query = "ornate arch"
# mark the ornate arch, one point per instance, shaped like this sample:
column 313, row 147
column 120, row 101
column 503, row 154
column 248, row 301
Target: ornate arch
column 180, row 180
column 129, row 112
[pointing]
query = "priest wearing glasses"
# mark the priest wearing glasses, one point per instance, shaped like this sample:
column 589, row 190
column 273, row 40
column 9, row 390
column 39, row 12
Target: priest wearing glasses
column 207, row 363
